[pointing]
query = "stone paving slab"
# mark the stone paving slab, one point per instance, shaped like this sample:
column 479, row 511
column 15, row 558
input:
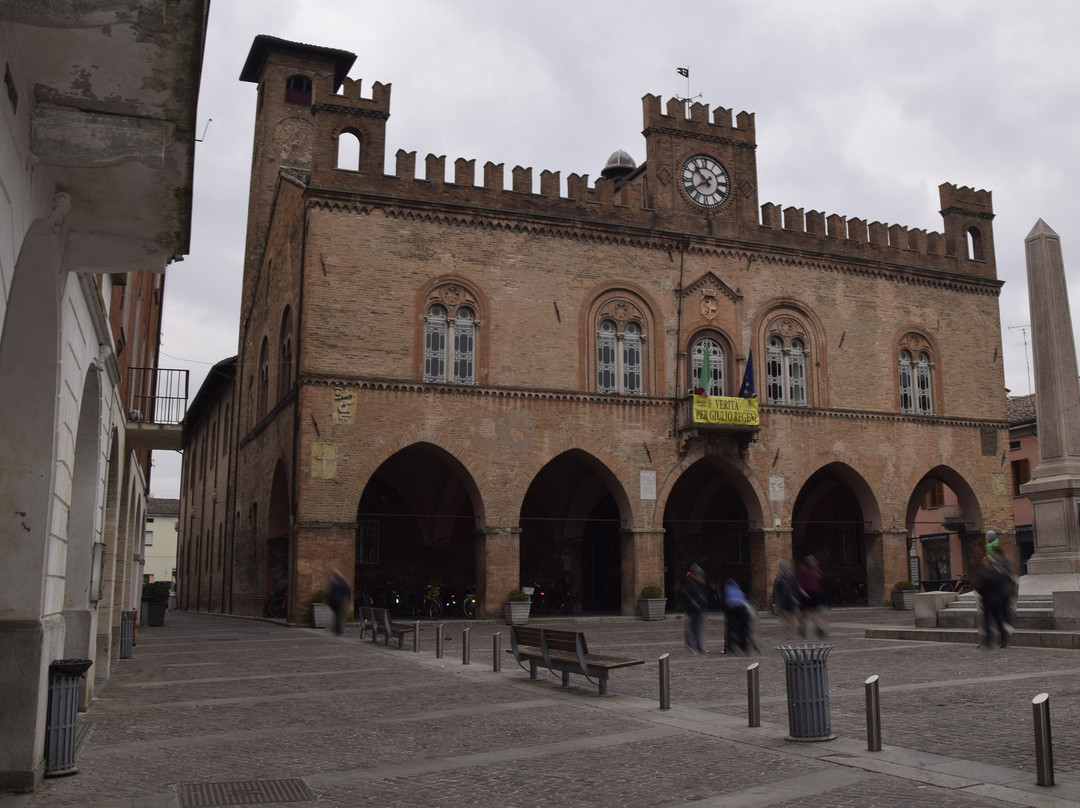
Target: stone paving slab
column 211, row 705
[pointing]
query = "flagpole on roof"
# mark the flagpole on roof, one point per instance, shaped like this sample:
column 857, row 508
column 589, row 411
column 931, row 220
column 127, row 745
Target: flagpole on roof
column 685, row 72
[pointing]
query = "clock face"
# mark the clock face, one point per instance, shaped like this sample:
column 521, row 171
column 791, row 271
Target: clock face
column 705, row 181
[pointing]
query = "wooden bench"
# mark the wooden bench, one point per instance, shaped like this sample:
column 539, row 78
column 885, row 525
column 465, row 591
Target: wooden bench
column 367, row 621
column 383, row 626
column 563, row 651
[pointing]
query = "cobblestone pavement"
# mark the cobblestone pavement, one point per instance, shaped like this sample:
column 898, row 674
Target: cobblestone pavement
column 215, row 711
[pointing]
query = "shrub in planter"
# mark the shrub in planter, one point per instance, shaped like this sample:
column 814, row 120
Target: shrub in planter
column 321, row 613
column 652, row 603
column 516, row 608
column 903, row 595
column 156, row 599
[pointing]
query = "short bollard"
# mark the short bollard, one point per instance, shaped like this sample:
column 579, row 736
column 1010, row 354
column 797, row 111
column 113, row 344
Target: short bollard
column 496, row 647
column 873, row 715
column 753, row 696
column 465, row 647
column 1044, row 747
column 665, row 682
column 416, row 638
column 438, row 641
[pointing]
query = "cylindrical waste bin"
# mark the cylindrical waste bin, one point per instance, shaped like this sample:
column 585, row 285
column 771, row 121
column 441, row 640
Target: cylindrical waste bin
column 127, row 633
column 807, row 674
column 64, row 676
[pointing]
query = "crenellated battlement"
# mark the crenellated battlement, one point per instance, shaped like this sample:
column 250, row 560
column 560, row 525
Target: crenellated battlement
column 350, row 95
column 698, row 123
column 966, row 200
column 647, row 198
column 853, row 229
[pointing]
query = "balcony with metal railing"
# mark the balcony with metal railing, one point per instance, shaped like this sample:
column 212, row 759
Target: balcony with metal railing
column 156, row 407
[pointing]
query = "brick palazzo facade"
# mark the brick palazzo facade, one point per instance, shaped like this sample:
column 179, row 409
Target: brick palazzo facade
column 460, row 382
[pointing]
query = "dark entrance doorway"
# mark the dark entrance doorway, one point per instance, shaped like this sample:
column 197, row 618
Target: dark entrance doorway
column 828, row 523
column 706, row 522
column 416, row 527
column 570, row 538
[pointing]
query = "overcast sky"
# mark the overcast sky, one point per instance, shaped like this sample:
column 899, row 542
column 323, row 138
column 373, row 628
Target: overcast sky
column 863, row 107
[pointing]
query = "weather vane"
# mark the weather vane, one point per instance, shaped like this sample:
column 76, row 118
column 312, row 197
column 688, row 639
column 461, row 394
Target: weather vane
column 685, row 73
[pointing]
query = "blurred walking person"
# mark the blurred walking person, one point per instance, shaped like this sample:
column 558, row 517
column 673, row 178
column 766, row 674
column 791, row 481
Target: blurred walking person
column 811, row 594
column 340, row 594
column 695, row 600
column 785, row 597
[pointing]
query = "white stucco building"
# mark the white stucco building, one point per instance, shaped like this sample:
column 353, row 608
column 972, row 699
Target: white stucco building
column 159, row 544
column 97, row 133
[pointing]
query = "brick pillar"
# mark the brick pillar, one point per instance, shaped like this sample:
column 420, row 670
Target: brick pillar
column 498, row 567
column 642, row 564
column 886, row 563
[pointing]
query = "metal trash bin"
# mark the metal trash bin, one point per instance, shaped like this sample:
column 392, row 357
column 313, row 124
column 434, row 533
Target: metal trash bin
column 127, row 633
column 64, row 676
column 807, row 675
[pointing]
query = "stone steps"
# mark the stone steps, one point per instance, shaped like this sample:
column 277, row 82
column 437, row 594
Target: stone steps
column 1067, row 640
column 1033, row 613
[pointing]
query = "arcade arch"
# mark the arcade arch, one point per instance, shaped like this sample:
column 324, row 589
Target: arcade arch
column 944, row 525
column 571, row 535
column 416, row 525
column 277, row 538
column 712, row 517
column 836, row 519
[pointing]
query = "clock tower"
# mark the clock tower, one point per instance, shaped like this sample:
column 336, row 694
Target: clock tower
column 699, row 168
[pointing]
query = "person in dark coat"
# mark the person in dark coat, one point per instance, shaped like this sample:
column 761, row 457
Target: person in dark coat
column 994, row 587
column 340, row 593
column 811, row 595
column 695, row 600
column 738, row 620
column 785, row 597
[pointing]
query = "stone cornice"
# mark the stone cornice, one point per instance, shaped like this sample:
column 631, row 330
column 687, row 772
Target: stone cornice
column 682, row 134
column 478, row 391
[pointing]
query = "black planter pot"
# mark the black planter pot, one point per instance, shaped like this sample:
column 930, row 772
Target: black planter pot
column 155, row 612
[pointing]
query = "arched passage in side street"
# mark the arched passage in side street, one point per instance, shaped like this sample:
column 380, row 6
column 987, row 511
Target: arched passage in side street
column 570, row 536
column 416, row 527
column 706, row 522
column 277, row 536
column 945, row 528
column 833, row 513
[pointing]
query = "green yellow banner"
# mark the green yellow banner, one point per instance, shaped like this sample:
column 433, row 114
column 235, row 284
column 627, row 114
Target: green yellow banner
column 726, row 410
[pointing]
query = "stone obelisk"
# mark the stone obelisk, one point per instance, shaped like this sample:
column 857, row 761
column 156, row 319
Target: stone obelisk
column 1054, row 488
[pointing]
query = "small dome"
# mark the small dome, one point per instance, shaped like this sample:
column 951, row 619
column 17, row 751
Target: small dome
column 618, row 166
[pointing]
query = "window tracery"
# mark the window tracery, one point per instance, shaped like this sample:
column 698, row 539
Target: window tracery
column 787, row 354
column 620, row 346
column 451, row 326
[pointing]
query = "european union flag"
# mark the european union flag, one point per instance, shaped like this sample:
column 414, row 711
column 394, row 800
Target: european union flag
column 747, row 390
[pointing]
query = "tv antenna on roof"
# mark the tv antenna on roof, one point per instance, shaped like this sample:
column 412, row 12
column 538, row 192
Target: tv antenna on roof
column 1027, row 360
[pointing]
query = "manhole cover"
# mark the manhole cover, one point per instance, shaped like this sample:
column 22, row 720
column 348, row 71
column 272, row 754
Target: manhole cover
column 243, row 792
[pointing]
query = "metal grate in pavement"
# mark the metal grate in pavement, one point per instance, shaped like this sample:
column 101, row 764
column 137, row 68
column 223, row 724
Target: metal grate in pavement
column 243, row 792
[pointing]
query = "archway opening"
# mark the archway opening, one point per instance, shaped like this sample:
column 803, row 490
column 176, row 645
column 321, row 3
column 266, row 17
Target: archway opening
column 416, row 530
column 828, row 523
column 945, row 536
column 570, row 537
column 706, row 523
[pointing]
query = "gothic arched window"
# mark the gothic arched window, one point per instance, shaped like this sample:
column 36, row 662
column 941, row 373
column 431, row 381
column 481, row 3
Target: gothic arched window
column 915, row 372
column 788, row 345
column 618, row 329
column 712, row 348
column 452, row 334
